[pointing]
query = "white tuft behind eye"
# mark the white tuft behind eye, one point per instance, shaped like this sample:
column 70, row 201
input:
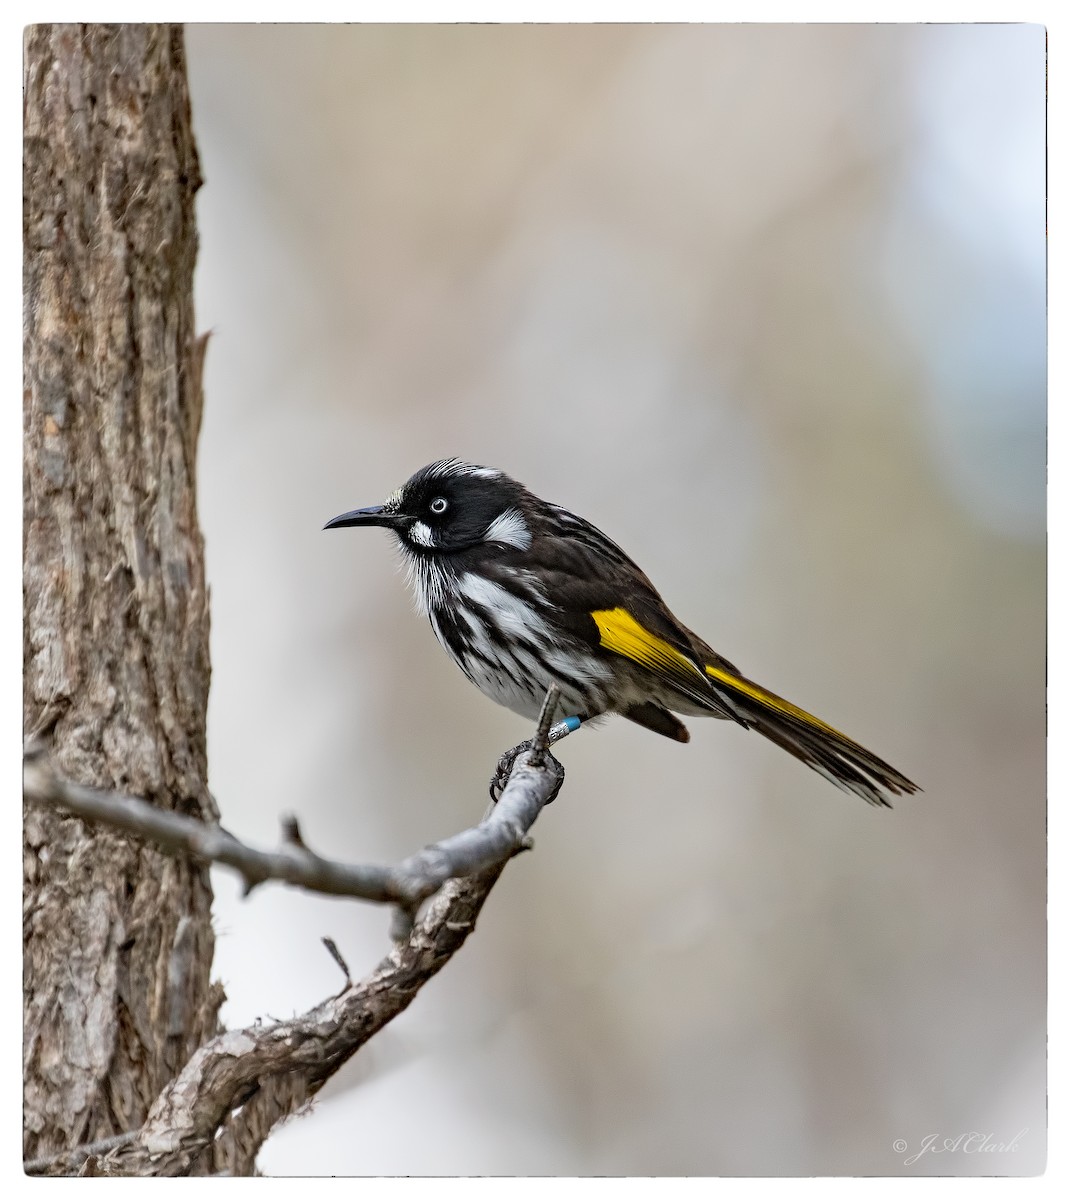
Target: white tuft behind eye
column 511, row 528
column 439, row 505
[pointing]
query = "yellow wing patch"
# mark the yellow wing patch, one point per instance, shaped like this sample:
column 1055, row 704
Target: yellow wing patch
column 621, row 632
column 769, row 700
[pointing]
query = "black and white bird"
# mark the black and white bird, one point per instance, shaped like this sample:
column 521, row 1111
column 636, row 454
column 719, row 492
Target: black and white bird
column 523, row 594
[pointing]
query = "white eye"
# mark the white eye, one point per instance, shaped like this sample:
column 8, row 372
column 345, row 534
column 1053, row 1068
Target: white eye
column 439, row 505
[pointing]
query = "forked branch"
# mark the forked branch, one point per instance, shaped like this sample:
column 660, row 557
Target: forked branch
column 239, row 1084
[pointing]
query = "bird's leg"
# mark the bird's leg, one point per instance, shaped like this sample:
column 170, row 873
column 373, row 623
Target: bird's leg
column 505, row 763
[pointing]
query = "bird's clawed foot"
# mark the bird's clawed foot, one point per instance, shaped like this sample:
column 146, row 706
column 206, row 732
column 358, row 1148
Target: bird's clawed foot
column 505, row 767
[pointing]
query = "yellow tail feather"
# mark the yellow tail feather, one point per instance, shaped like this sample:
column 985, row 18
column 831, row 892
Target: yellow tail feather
column 770, row 700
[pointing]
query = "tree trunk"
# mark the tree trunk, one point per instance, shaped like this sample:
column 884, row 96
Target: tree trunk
column 117, row 938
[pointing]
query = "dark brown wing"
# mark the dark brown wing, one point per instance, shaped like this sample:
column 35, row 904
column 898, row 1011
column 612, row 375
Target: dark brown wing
column 605, row 600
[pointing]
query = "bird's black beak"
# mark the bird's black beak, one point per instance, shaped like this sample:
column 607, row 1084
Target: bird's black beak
column 376, row 515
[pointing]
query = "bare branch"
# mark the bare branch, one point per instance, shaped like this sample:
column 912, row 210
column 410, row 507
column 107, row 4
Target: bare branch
column 277, row 1068
column 407, row 885
column 218, row 1110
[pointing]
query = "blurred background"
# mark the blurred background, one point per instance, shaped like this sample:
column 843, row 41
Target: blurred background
column 767, row 304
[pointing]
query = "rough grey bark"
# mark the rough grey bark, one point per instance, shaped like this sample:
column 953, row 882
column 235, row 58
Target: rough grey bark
column 117, row 937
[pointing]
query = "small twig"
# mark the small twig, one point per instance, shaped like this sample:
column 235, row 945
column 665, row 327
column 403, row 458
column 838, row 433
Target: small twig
column 291, row 832
column 66, row 1161
column 540, row 743
column 336, row 954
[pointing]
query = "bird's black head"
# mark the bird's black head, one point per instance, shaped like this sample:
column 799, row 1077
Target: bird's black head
column 450, row 506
